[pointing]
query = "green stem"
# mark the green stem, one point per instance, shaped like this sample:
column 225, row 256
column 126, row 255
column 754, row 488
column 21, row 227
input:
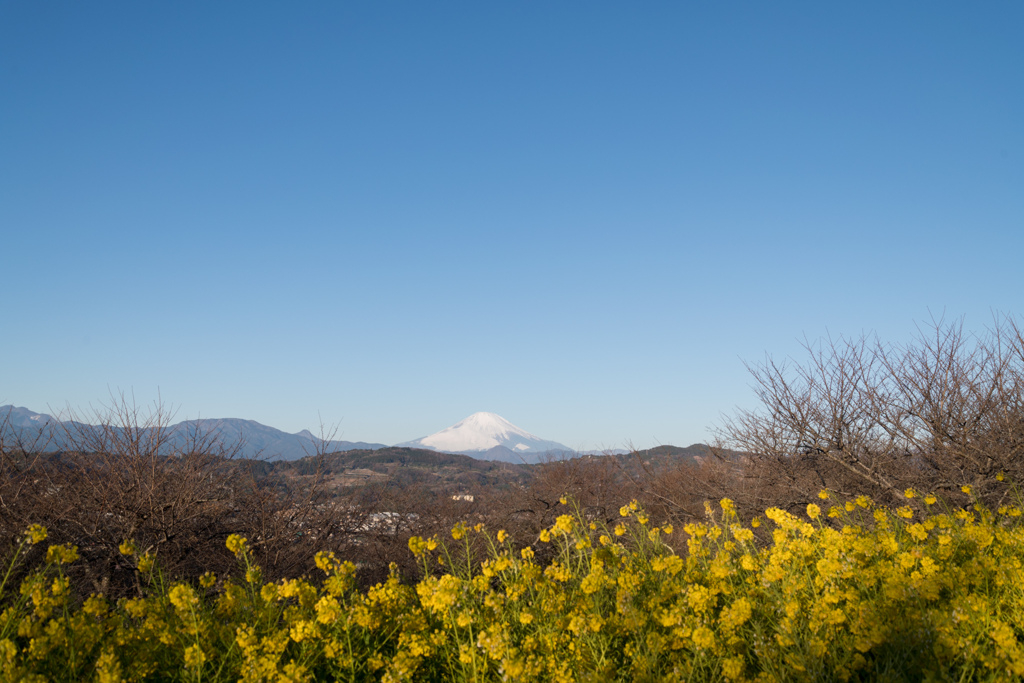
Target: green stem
column 10, row 568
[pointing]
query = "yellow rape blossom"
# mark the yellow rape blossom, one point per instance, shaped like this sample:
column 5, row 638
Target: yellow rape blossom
column 194, row 657
column 236, row 544
column 809, row 602
column 145, row 563
column 61, row 554
column 36, row 533
column 563, row 524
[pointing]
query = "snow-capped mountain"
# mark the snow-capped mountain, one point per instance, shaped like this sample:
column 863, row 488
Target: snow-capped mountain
column 490, row 437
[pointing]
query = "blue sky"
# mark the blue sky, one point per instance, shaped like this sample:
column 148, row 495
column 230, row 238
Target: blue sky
column 584, row 217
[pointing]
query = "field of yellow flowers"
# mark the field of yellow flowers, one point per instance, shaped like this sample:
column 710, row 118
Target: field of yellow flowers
column 846, row 591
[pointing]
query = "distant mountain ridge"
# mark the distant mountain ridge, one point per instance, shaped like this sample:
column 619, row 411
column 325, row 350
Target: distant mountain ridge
column 256, row 440
column 483, row 436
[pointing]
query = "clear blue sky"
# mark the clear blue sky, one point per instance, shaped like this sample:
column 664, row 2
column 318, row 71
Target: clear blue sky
column 581, row 216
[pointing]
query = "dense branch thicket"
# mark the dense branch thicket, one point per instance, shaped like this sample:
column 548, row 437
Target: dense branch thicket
column 864, row 417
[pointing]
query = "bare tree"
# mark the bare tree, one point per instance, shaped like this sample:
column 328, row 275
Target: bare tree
column 123, row 474
column 863, row 417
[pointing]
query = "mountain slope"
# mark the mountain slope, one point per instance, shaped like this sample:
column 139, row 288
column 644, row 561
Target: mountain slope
column 256, row 440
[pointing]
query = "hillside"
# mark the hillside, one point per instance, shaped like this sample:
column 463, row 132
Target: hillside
column 432, row 470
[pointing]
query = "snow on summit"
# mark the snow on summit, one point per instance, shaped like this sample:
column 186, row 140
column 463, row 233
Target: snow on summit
column 481, row 432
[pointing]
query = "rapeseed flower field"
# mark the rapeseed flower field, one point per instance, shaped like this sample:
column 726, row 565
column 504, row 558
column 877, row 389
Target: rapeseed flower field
column 846, row 590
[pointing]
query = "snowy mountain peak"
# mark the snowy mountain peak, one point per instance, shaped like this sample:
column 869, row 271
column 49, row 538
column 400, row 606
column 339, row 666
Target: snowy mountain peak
column 489, row 423
column 480, row 432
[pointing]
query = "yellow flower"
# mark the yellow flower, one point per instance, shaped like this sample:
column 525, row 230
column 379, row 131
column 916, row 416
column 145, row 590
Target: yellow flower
column 563, row 500
column 727, row 505
column 236, row 544
column 502, row 535
column 1004, row 637
column 416, row 546
column 194, row 657
column 183, row 597
column 293, row 673
column 823, row 494
column 303, row 630
column 146, row 561
column 108, row 669
column 459, row 531
column 545, row 536
column 61, row 554
column 624, row 511
column 930, row 500
column 325, row 560
column 526, row 553
column 94, row 606
column 564, row 524
column 755, row 522
column 269, row 592
column 813, row 511
column 327, row 610
column 909, row 493
column 732, row 668
column 966, row 488
column 128, row 548
column 620, row 529
column 207, row 579
column 667, row 529
column 905, row 512
column 703, row 637
column 36, row 533
column 1001, row 476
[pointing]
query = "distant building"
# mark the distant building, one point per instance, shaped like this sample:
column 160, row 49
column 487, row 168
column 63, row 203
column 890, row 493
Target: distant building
column 467, row 497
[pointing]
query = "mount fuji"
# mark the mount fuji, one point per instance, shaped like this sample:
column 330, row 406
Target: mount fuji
column 487, row 436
